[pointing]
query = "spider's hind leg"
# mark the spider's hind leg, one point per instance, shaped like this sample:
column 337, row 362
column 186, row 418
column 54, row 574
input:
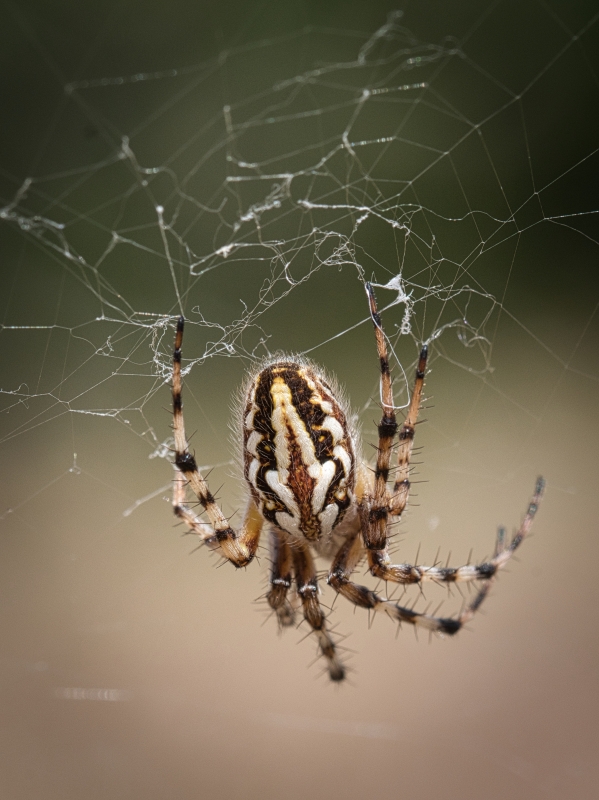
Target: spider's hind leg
column 280, row 578
column 347, row 559
column 307, row 588
column 381, row 567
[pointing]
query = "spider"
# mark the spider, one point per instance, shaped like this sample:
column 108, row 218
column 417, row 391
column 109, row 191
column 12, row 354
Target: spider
column 314, row 493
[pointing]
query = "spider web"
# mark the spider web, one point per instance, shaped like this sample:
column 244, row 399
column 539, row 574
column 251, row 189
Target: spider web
column 255, row 192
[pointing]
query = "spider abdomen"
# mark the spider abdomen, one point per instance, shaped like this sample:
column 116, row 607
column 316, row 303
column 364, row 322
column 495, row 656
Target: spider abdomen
column 299, row 459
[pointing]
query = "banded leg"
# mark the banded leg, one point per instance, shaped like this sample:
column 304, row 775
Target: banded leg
column 375, row 513
column 401, row 488
column 182, row 510
column 375, row 510
column 307, row 588
column 238, row 548
column 339, row 578
column 280, row 578
column 381, row 567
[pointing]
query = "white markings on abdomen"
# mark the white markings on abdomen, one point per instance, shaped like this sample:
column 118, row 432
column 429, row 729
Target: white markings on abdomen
column 298, row 453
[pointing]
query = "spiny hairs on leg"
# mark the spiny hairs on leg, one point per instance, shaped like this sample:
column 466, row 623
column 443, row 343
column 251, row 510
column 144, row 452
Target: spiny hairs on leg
column 377, row 508
column 352, row 551
column 239, row 548
column 450, row 625
column 280, row 578
column 381, row 567
column 307, row 589
column 184, row 460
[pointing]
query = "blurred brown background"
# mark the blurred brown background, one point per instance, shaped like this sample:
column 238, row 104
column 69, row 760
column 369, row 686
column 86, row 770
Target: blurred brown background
column 131, row 669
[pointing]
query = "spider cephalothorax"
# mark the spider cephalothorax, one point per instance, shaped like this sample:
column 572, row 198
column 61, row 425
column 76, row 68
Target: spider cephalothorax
column 311, row 489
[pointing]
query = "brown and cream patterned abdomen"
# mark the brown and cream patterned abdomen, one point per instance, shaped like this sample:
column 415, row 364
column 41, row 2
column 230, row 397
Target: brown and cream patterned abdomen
column 299, row 458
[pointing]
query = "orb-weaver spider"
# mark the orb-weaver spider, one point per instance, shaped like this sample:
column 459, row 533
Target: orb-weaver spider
column 314, row 493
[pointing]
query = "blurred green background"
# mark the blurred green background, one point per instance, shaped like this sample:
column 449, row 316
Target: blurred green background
column 131, row 669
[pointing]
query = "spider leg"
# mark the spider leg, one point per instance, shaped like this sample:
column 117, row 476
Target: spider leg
column 381, row 567
column 280, row 578
column 307, row 588
column 347, row 559
column 182, row 510
column 239, row 548
column 401, row 488
column 375, row 509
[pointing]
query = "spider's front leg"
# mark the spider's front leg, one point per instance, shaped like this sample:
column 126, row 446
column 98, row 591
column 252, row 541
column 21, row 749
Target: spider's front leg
column 239, row 548
column 375, row 507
